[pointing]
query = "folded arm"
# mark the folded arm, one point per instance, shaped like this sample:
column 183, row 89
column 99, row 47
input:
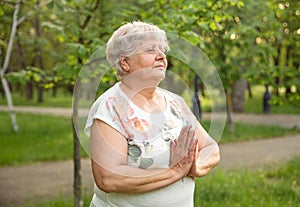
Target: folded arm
column 110, row 169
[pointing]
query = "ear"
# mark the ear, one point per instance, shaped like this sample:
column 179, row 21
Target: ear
column 124, row 63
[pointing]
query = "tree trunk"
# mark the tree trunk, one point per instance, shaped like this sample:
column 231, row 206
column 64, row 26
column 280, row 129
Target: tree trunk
column 40, row 93
column 2, row 93
column 77, row 162
column 276, row 61
column 196, row 101
column 229, row 111
column 288, row 89
column 10, row 104
column 238, row 95
column 201, row 87
column 28, row 87
column 54, row 91
column 249, row 90
column 29, row 90
column 5, row 67
column 76, row 153
column 38, row 52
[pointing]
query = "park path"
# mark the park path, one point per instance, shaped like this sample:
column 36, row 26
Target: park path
column 50, row 179
column 283, row 120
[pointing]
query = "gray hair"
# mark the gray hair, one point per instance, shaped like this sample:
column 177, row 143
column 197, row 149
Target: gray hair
column 127, row 39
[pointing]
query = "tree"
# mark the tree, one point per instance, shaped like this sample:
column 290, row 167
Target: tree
column 200, row 22
column 4, row 67
column 286, row 61
column 82, row 32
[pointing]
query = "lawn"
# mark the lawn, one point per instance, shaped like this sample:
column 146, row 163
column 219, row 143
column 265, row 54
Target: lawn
column 62, row 99
column 251, row 105
column 275, row 186
column 255, row 103
column 41, row 138
column 48, row 138
column 245, row 132
column 269, row 187
column 278, row 106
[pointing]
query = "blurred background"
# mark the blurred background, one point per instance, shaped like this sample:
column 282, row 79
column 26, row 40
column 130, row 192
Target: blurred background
column 254, row 46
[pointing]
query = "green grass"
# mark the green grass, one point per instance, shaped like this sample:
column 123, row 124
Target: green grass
column 251, row 105
column 243, row 132
column 267, row 187
column 62, row 99
column 45, row 138
column 275, row 187
column 41, row 138
column 255, row 104
column 59, row 201
column 49, row 138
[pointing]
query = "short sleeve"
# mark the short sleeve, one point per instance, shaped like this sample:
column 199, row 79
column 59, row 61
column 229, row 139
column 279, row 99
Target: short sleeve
column 105, row 110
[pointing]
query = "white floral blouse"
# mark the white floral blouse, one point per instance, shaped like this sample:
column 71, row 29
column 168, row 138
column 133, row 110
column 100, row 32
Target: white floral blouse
column 148, row 136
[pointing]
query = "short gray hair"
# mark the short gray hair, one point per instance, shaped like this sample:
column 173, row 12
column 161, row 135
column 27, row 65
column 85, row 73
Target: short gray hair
column 127, row 38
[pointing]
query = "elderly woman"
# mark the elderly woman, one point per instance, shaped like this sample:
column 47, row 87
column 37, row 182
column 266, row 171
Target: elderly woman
column 146, row 145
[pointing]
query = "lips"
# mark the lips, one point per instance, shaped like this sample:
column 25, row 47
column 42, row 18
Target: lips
column 160, row 67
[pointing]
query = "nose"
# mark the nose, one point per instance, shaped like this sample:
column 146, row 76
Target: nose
column 160, row 54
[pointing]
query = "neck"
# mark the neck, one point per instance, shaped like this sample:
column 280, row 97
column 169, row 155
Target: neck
column 135, row 91
column 135, row 85
column 148, row 99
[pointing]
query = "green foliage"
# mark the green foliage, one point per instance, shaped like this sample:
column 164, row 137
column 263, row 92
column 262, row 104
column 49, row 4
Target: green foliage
column 256, row 40
column 17, row 77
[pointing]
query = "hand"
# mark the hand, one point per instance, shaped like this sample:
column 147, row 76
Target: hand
column 183, row 150
column 183, row 167
column 200, row 167
column 193, row 169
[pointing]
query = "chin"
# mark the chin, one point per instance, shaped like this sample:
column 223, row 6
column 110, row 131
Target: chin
column 159, row 74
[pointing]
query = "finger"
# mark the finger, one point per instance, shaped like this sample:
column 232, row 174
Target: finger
column 182, row 136
column 189, row 138
column 172, row 151
column 193, row 148
column 173, row 145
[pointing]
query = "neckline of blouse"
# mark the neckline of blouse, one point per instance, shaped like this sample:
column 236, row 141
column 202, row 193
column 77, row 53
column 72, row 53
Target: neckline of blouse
column 141, row 110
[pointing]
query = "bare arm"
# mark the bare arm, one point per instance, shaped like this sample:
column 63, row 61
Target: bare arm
column 110, row 169
column 207, row 155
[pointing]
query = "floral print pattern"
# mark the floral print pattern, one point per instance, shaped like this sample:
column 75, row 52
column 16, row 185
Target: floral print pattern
column 148, row 135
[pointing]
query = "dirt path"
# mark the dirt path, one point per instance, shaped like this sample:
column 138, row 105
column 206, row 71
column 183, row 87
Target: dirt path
column 263, row 119
column 45, row 180
column 253, row 154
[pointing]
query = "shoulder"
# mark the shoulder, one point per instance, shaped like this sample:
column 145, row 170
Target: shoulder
column 104, row 104
column 108, row 96
column 104, row 109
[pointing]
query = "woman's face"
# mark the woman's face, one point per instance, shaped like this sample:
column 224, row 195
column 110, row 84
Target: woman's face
column 150, row 58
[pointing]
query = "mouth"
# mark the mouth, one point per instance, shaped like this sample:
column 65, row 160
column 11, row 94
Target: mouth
column 159, row 67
